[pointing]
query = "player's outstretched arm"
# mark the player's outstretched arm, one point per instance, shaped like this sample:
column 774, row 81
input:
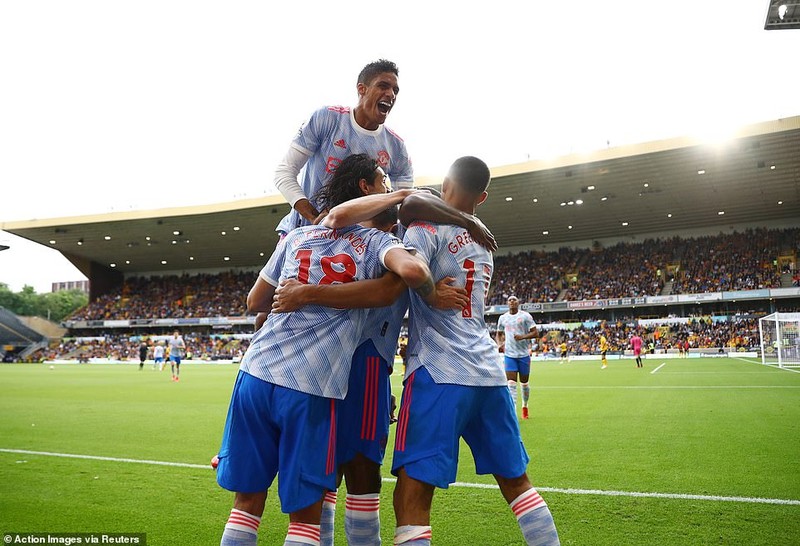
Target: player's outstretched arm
column 292, row 294
column 363, row 208
column 422, row 205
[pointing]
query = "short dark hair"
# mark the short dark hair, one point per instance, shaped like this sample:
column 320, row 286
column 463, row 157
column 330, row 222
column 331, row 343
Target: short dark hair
column 344, row 184
column 374, row 68
column 471, row 174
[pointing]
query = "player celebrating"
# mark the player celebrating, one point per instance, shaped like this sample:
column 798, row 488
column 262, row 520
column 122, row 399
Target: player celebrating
column 360, row 449
column 518, row 329
column 455, row 386
column 283, row 412
column 333, row 133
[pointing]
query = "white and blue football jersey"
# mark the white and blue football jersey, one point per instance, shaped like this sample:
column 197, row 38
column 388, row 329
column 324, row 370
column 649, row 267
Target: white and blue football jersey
column 521, row 323
column 330, row 135
column 382, row 326
column 454, row 346
column 310, row 350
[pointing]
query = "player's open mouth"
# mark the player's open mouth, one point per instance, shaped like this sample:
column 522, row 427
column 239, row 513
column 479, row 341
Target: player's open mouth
column 384, row 107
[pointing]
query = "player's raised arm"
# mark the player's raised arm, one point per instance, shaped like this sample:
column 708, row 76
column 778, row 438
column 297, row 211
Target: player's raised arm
column 426, row 206
column 363, row 208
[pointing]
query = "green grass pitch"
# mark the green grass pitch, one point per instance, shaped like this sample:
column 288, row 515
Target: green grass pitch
column 703, row 451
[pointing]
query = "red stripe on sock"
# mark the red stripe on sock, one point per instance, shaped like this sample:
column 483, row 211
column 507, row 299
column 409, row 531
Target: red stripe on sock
column 304, row 530
column 527, row 502
column 330, row 497
column 363, row 505
column 241, row 523
column 238, row 517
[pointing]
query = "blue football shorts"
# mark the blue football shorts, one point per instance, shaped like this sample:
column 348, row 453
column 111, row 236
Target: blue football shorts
column 521, row 365
column 271, row 429
column 364, row 413
column 433, row 417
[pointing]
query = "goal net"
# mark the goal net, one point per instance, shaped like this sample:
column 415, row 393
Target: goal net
column 780, row 339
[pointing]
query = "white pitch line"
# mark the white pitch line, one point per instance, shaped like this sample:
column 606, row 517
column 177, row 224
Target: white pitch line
column 775, row 366
column 112, row 459
column 570, row 491
column 662, row 365
column 658, row 387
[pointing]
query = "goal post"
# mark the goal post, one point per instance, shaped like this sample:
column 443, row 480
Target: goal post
column 780, row 339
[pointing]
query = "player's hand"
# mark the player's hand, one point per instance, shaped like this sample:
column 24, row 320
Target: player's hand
column 450, row 297
column 261, row 318
column 481, row 234
column 320, row 217
column 288, row 296
column 518, row 337
column 306, row 209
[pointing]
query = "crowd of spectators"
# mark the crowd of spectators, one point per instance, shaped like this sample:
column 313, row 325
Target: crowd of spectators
column 726, row 262
column 736, row 261
column 123, row 347
column 533, row 276
column 202, row 295
column 740, row 333
column 623, row 270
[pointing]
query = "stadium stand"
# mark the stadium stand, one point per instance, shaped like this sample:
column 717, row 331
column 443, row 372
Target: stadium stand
column 209, row 308
column 738, row 261
column 15, row 336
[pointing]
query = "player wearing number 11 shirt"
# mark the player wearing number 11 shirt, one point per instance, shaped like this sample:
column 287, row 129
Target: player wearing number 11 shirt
column 455, row 384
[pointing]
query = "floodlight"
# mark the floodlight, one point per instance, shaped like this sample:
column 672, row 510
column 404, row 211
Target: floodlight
column 782, row 14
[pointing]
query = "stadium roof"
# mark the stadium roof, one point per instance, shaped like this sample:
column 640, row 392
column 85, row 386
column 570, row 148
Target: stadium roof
column 650, row 188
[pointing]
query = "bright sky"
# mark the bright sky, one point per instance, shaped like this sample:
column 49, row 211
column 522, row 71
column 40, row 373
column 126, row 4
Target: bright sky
column 111, row 106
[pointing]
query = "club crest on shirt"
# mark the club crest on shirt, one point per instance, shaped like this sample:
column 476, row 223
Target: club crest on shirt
column 383, row 159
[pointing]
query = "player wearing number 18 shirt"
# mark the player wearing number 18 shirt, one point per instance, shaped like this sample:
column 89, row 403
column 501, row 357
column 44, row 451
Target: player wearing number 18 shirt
column 455, row 385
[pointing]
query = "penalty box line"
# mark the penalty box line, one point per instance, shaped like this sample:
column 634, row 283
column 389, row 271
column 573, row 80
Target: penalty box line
column 569, row 491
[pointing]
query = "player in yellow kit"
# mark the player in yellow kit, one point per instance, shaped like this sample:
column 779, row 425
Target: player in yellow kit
column 603, row 349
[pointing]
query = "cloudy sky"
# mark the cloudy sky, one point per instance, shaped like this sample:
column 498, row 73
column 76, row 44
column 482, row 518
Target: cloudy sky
column 111, row 106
